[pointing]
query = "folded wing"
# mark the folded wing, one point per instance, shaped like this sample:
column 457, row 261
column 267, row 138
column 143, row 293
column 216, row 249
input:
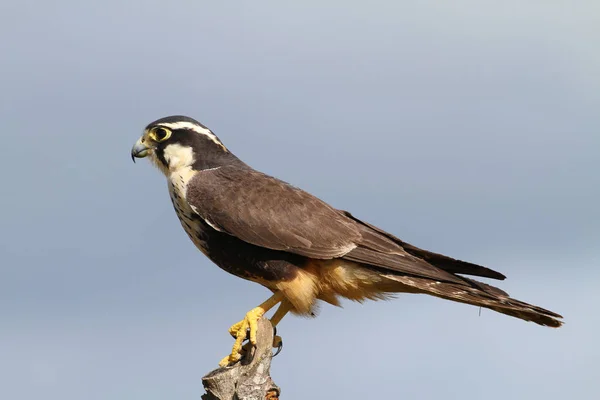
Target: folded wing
column 270, row 213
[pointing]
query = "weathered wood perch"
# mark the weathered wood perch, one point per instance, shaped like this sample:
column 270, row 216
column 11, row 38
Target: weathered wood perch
column 250, row 378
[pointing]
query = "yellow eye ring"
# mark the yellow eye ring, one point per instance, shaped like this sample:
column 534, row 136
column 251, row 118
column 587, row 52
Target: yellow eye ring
column 160, row 134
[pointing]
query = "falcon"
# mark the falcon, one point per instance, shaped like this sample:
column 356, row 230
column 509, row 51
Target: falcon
column 303, row 250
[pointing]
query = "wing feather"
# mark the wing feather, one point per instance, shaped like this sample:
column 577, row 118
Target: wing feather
column 376, row 238
column 268, row 212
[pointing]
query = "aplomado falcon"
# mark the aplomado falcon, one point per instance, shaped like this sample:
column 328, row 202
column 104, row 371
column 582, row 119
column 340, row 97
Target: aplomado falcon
column 267, row 231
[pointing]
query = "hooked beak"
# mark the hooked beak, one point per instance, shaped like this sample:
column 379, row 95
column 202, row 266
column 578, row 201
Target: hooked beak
column 139, row 150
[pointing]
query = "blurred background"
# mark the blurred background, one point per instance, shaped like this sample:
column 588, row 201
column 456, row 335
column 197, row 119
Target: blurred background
column 470, row 128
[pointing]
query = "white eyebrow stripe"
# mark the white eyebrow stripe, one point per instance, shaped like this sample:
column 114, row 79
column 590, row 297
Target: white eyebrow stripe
column 193, row 127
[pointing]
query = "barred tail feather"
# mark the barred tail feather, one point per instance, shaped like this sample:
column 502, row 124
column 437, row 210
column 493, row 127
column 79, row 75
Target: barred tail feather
column 482, row 295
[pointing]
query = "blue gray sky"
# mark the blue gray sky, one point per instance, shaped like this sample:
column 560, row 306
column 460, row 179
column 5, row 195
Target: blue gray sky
column 469, row 128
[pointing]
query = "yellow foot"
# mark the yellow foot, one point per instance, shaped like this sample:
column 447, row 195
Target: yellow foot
column 239, row 332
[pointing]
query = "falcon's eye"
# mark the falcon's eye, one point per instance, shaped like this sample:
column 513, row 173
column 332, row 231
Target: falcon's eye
column 160, row 134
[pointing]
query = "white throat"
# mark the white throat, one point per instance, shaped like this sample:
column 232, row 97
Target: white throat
column 180, row 160
column 178, row 156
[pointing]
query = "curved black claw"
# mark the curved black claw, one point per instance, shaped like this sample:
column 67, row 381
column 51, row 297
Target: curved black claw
column 279, row 344
column 279, row 348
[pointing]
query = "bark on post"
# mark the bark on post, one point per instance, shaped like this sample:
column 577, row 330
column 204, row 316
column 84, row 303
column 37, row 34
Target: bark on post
column 250, row 378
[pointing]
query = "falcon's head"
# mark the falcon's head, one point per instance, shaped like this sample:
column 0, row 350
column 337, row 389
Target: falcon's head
column 178, row 142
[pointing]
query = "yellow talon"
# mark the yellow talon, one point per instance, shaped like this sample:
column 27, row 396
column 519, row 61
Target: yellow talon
column 250, row 321
column 239, row 331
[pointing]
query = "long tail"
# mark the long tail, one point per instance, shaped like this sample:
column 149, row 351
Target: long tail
column 482, row 295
